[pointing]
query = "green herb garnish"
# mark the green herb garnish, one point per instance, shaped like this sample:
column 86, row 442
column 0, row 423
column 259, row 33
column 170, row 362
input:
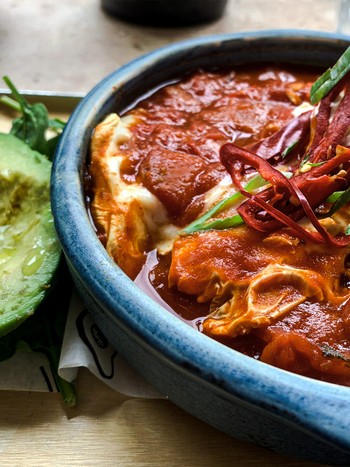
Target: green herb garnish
column 341, row 198
column 289, row 149
column 305, row 165
column 330, row 352
column 326, row 82
column 304, row 160
column 32, row 126
column 221, row 224
column 334, row 197
column 201, row 223
column 316, row 164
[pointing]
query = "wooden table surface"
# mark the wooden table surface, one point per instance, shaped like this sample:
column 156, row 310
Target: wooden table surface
column 68, row 46
column 108, row 429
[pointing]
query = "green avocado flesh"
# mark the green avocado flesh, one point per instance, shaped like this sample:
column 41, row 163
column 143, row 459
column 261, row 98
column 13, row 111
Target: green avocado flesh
column 29, row 249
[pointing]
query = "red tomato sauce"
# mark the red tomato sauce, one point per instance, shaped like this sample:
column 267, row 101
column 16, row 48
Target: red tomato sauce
column 175, row 149
column 174, row 153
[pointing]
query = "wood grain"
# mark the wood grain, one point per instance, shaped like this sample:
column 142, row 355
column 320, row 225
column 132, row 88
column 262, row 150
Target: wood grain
column 108, row 429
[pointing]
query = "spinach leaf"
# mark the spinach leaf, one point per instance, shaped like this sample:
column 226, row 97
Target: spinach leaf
column 32, row 125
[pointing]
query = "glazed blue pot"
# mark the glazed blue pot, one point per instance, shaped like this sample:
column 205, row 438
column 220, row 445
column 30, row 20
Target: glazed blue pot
column 246, row 398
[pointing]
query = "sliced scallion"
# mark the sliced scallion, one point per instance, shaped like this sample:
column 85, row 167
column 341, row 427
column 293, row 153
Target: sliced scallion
column 201, row 223
column 343, row 199
column 326, row 82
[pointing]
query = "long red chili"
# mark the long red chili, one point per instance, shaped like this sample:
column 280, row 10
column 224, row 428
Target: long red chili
column 328, row 133
column 295, row 134
column 283, row 190
column 288, row 200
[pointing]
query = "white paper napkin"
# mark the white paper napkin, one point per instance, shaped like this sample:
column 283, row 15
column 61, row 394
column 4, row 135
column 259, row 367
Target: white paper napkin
column 84, row 345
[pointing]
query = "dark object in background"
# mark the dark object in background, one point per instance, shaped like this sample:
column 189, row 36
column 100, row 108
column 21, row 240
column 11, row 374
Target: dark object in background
column 166, row 12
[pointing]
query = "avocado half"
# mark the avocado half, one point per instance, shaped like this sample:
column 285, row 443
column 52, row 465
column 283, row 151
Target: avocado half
column 29, row 249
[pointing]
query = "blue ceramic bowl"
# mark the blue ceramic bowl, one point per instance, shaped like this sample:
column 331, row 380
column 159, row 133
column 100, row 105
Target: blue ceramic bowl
column 234, row 393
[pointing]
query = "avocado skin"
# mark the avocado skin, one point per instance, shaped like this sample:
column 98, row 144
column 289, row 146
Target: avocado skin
column 29, row 248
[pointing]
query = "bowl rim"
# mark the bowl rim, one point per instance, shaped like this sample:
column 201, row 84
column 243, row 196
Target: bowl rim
column 285, row 394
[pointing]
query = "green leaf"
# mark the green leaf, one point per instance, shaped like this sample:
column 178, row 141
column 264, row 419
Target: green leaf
column 31, row 127
column 51, row 145
column 56, row 124
column 326, row 82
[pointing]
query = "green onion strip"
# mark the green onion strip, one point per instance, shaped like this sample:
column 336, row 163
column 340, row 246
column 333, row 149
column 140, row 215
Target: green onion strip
column 201, row 223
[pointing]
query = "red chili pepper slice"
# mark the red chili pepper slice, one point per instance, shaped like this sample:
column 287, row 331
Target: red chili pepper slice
column 288, row 200
column 296, row 132
column 329, row 134
column 272, row 208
